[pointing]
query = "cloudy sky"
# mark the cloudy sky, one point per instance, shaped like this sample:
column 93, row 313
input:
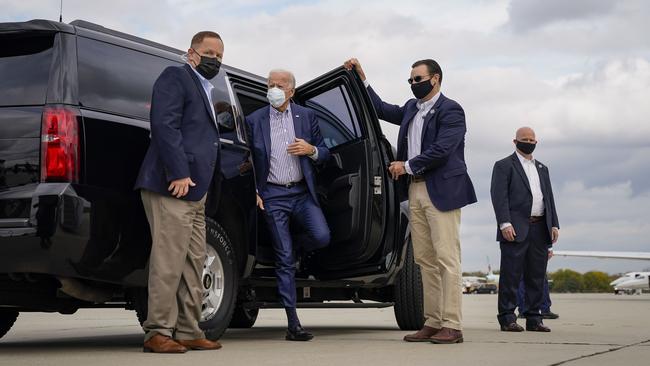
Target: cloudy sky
column 577, row 71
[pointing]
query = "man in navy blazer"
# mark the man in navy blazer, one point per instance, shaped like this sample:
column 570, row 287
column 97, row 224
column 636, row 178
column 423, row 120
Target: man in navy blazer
column 528, row 226
column 432, row 173
column 174, row 180
column 287, row 144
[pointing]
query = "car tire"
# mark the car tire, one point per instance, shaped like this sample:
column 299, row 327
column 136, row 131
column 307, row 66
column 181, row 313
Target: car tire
column 243, row 318
column 220, row 278
column 409, row 303
column 7, row 319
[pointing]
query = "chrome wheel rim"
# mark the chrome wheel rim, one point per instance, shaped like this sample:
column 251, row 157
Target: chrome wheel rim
column 212, row 282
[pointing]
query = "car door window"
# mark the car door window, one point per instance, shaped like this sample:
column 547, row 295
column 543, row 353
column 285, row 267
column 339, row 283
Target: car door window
column 117, row 79
column 336, row 116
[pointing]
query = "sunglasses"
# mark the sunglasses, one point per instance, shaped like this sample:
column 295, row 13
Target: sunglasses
column 417, row 79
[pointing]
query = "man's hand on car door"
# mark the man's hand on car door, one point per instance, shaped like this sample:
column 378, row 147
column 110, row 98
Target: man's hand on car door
column 396, row 169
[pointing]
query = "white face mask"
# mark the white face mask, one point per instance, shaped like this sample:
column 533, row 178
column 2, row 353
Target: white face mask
column 276, row 96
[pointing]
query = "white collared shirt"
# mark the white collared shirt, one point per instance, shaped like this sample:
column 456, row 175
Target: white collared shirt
column 415, row 129
column 284, row 168
column 535, row 185
column 535, row 188
column 207, row 88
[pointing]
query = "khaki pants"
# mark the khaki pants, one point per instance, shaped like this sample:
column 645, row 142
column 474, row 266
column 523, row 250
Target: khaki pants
column 436, row 247
column 175, row 266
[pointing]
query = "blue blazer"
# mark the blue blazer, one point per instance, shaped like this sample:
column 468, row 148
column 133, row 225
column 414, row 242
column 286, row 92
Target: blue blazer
column 512, row 198
column 441, row 160
column 184, row 135
column 305, row 125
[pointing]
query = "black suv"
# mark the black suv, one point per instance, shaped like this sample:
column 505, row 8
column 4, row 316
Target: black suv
column 74, row 110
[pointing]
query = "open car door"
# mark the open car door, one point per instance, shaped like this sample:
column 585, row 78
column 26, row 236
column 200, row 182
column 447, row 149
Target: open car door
column 354, row 188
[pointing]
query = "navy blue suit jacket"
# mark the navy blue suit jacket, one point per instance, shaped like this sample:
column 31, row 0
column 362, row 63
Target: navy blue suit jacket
column 184, row 135
column 512, row 198
column 305, row 126
column 441, row 160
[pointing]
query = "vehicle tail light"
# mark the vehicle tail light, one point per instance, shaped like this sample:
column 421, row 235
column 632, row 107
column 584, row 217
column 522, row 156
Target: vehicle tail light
column 59, row 145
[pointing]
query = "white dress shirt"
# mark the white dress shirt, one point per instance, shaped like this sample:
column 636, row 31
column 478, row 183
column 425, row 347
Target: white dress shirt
column 535, row 188
column 207, row 88
column 415, row 129
column 284, row 168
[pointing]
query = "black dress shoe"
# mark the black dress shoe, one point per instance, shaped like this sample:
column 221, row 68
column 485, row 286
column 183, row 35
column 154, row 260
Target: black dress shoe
column 512, row 327
column 538, row 328
column 298, row 334
column 550, row 315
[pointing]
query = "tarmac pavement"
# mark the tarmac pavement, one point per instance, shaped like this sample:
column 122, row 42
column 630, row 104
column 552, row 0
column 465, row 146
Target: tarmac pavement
column 593, row 329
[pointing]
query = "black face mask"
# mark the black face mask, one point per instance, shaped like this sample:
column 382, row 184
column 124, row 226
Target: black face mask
column 526, row 147
column 422, row 89
column 208, row 67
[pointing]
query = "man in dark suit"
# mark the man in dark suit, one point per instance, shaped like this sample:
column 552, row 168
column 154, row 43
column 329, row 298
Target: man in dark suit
column 528, row 225
column 287, row 143
column 431, row 167
column 174, row 180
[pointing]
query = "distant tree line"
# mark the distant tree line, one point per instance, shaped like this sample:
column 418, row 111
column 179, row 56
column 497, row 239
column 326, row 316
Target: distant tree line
column 566, row 280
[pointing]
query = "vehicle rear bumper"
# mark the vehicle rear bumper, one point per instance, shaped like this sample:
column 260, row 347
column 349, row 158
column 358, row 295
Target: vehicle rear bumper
column 53, row 236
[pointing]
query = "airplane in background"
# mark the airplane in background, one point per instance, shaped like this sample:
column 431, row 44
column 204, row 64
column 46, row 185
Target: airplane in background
column 489, row 283
column 491, row 277
column 632, row 282
column 613, row 255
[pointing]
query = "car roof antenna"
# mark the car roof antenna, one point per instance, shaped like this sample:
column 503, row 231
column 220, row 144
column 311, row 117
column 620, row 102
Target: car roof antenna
column 61, row 12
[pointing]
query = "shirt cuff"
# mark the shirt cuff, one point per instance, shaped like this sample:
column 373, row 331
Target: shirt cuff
column 407, row 167
column 366, row 83
column 504, row 225
column 315, row 156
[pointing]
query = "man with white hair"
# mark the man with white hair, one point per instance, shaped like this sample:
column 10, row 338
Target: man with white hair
column 286, row 143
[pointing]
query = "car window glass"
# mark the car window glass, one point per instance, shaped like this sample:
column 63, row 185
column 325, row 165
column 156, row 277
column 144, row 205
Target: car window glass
column 24, row 68
column 336, row 115
column 117, row 79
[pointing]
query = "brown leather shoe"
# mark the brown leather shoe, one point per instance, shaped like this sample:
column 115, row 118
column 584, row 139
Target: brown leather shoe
column 538, row 328
column 422, row 335
column 162, row 344
column 201, row 344
column 447, row 336
column 512, row 327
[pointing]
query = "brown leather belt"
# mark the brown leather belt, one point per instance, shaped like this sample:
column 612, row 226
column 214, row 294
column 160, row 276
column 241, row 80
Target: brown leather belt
column 417, row 178
column 535, row 219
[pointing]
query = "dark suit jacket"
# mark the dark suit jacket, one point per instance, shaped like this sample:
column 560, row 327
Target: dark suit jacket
column 442, row 157
column 305, row 127
column 184, row 135
column 512, row 198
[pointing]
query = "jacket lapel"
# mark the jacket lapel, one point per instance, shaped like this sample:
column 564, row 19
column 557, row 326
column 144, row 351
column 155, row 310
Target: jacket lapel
column 430, row 117
column 297, row 122
column 265, row 125
column 403, row 143
column 520, row 170
column 542, row 178
column 206, row 101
